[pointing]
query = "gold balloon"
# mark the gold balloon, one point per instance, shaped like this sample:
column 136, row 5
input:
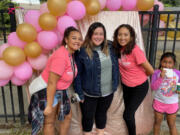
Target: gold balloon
column 144, row 5
column 14, row 56
column 93, row 7
column 68, row 1
column 84, row 2
column 57, row 7
column 47, row 21
column 172, row 33
column 32, row 50
column 164, row 17
column 26, row 32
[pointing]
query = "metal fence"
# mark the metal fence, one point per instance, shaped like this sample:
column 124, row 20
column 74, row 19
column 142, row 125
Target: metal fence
column 11, row 97
column 152, row 46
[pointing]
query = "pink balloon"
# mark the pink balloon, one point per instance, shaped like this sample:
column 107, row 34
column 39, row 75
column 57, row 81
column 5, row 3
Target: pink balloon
column 102, row 3
column 3, row 82
column 44, row 8
column 32, row 17
column 47, row 39
column 161, row 6
column 59, row 36
column 76, row 10
column 2, row 48
column 17, row 81
column 145, row 19
column 38, row 63
column 24, row 71
column 65, row 22
column 6, row 71
column 129, row 4
column 113, row 5
column 14, row 40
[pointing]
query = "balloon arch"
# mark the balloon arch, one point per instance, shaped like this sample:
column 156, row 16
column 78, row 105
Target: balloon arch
column 42, row 31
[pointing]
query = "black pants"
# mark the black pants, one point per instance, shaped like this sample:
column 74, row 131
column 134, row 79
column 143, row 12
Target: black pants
column 133, row 97
column 95, row 108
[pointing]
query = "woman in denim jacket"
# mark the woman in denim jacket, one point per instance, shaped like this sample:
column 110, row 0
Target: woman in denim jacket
column 97, row 78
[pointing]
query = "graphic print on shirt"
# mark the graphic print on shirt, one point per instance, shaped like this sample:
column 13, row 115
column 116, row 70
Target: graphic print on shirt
column 168, row 86
column 123, row 61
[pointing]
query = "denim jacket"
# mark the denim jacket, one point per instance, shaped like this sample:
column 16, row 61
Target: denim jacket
column 89, row 72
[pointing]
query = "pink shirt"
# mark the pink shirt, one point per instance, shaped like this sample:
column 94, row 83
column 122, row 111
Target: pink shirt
column 132, row 73
column 60, row 63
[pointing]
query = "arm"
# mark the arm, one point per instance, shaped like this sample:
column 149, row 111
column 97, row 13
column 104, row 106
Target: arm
column 78, row 79
column 51, row 89
column 148, row 68
column 156, row 81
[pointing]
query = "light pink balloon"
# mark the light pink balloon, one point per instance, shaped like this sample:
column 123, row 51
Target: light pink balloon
column 44, row 8
column 161, row 6
column 14, row 40
column 24, row 71
column 47, row 39
column 3, row 82
column 129, row 4
column 6, row 71
column 59, row 35
column 17, row 81
column 102, row 3
column 32, row 17
column 65, row 22
column 76, row 10
column 38, row 63
column 113, row 5
column 2, row 48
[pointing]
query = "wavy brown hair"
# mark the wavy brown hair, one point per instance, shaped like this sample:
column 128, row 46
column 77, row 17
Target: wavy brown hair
column 88, row 44
column 129, row 47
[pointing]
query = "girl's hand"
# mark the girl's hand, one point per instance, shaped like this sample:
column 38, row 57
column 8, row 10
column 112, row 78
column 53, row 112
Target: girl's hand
column 48, row 110
column 163, row 73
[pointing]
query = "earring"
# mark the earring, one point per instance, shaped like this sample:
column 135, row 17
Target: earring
column 66, row 46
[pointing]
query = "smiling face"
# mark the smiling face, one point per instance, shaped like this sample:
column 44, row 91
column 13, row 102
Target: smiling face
column 167, row 62
column 123, row 36
column 74, row 41
column 98, row 36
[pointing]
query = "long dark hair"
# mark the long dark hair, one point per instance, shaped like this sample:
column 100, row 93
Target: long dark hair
column 67, row 33
column 129, row 47
column 88, row 44
column 168, row 54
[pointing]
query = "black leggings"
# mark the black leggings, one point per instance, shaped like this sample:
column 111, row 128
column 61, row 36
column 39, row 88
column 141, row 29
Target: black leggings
column 95, row 108
column 133, row 97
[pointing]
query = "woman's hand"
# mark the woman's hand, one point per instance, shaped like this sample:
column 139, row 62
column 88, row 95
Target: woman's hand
column 48, row 110
column 163, row 73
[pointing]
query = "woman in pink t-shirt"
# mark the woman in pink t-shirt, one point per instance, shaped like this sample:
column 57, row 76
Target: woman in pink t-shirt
column 134, row 69
column 52, row 99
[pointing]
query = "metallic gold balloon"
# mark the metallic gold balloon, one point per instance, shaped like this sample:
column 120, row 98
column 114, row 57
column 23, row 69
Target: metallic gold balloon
column 32, row 50
column 144, row 5
column 57, row 7
column 172, row 33
column 84, row 2
column 14, row 56
column 26, row 32
column 68, row 1
column 93, row 7
column 47, row 21
column 164, row 17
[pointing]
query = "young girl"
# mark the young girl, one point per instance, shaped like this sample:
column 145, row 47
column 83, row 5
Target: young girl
column 166, row 96
column 134, row 69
